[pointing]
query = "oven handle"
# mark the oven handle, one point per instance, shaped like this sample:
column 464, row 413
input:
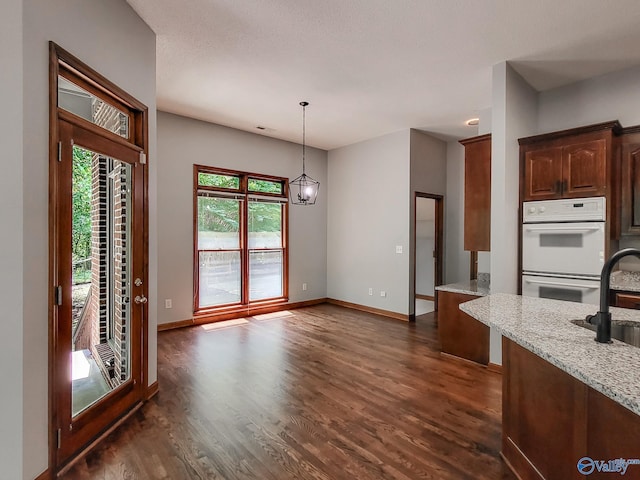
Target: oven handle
column 562, row 229
column 561, row 284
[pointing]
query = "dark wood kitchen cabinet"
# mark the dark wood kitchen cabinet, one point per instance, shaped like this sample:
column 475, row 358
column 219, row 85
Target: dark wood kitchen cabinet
column 550, row 420
column 460, row 334
column 477, row 193
column 569, row 164
column 625, row 300
column 630, row 195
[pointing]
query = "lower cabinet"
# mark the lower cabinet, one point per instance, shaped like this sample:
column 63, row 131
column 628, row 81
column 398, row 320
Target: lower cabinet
column 460, row 334
column 550, row 421
column 626, row 300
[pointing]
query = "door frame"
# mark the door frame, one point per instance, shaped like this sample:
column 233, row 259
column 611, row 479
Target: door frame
column 438, row 242
column 62, row 61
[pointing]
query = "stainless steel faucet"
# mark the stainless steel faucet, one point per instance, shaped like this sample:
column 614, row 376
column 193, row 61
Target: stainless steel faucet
column 602, row 319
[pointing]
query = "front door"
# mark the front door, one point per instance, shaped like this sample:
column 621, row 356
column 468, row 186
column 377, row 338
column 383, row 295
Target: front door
column 98, row 266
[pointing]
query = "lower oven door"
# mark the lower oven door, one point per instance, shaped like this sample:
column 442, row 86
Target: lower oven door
column 570, row 289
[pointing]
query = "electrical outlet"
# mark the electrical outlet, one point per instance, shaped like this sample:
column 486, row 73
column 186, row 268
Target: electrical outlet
column 398, row 248
column 168, row 303
column 383, row 293
column 371, row 291
column 304, row 286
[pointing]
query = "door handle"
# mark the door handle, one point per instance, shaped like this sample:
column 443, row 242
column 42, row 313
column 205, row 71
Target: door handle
column 563, row 229
column 563, row 284
column 140, row 299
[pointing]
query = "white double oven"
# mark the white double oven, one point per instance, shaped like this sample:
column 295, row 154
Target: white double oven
column 563, row 245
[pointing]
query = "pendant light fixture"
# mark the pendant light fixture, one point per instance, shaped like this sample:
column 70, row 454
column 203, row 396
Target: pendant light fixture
column 304, row 189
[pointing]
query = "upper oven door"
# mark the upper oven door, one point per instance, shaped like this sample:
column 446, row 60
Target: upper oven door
column 568, row 248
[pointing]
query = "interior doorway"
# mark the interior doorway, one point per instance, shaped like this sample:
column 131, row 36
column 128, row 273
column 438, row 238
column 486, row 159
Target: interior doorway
column 428, row 231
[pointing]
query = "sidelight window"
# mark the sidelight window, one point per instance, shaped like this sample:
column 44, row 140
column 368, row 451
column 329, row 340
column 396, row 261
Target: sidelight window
column 240, row 239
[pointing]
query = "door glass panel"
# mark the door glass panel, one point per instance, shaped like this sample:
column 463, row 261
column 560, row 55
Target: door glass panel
column 565, row 294
column 101, row 276
column 78, row 101
column 265, row 274
column 571, row 240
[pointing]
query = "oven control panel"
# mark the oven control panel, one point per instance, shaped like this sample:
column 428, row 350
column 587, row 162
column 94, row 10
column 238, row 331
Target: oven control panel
column 592, row 209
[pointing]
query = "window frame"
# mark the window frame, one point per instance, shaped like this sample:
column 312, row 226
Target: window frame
column 246, row 305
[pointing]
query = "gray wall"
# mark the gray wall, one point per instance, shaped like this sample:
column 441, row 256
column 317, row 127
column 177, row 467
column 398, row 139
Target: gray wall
column 112, row 39
column 428, row 174
column 514, row 116
column 183, row 142
column 368, row 216
column 615, row 96
column 457, row 259
column 12, row 352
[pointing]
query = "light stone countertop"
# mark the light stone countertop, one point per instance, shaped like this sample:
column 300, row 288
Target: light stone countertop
column 543, row 327
column 471, row 287
column 625, row 280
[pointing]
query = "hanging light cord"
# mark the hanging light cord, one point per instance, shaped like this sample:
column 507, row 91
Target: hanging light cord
column 304, row 123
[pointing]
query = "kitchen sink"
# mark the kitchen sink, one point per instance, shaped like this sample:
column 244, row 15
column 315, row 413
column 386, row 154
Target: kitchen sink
column 625, row 331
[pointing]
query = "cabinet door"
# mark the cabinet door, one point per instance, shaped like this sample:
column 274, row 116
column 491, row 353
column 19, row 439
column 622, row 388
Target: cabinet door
column 477, row 195
column 630, row 208
column 543, row 174
column 460, row 334
column 584, row 169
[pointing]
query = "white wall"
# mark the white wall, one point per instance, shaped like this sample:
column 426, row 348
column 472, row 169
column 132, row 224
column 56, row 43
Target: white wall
column 112, row 39
column 368, row 216
column 183, row 142
column 11, row 277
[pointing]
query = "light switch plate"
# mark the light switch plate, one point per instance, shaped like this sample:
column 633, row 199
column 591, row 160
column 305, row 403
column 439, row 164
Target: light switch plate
column 398, row 248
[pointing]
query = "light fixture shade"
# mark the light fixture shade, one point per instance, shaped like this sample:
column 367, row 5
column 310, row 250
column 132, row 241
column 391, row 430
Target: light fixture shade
column 303, row 190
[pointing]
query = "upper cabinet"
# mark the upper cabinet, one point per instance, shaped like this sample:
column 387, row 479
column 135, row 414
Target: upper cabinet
column 477, row 193
column 630, row 201
column 569, row 164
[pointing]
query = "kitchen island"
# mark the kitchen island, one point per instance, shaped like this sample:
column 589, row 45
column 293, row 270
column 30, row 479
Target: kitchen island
column 566, row 398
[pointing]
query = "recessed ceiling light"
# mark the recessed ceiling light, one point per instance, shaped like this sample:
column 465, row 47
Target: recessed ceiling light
column 260, row 127
column 472, row 122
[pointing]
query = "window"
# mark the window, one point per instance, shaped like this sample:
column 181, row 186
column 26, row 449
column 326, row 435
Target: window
column 240, row 225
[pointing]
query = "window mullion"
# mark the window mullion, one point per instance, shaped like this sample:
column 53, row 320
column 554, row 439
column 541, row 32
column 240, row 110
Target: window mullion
column 244, row 229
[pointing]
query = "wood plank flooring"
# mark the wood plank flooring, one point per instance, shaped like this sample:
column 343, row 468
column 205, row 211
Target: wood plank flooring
column 326, row 393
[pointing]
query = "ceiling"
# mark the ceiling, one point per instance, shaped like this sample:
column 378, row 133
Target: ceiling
column 371, row 67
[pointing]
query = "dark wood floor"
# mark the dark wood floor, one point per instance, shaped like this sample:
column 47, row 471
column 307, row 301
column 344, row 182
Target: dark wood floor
column 327, row 393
